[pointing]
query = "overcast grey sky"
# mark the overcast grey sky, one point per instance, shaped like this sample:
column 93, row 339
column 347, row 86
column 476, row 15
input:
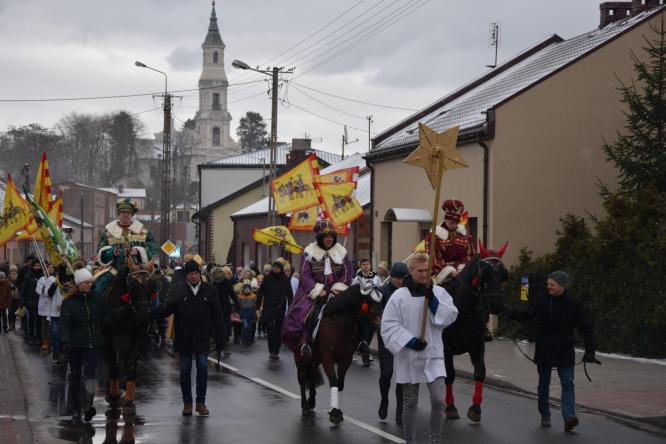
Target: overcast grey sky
column 78, row 48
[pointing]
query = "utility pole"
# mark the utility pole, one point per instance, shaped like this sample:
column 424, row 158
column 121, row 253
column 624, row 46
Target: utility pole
column 81, row 234
column 165, row 198
column 345, row 141
column 271, row 177
column 369, row 132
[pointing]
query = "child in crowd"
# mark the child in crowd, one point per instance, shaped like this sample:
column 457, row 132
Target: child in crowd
column 248, row 307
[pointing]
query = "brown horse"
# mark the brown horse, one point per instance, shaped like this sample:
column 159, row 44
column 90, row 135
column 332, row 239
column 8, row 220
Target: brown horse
column 335, row 344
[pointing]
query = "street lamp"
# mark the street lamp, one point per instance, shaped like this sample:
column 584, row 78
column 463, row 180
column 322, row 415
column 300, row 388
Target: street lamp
column 165, row 189
column 273, row 153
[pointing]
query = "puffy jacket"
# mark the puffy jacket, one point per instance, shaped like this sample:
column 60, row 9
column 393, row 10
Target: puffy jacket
column 81, row 318
column 273, row 296
column 197, row 317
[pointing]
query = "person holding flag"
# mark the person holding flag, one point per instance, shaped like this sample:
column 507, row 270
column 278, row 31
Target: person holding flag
column 121, row 238
column 325, row 262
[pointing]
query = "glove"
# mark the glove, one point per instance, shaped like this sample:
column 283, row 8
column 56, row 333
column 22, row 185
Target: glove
column 416, row 344
column 589, row 357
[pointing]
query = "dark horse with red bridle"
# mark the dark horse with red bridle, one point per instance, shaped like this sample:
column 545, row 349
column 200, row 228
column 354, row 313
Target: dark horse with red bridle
column 335, row 344
column 476, row 291
column 129, row 299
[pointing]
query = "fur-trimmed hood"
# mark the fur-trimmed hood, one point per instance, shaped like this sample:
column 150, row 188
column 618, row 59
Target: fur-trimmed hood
column 443, row 233
column 337, row 253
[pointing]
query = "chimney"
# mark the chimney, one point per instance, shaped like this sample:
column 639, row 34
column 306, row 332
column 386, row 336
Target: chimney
column 638, row 6
column 610, row 12
column 299, row 150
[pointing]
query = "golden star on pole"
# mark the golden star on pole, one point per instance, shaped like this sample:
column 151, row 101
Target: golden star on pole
column 434, row 148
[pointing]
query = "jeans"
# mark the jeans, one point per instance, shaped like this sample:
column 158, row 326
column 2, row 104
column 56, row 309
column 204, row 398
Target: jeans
column 247, row 335
column 385, row 375
column 55, row 335
column 78, row 358
column 410, row 396
column 3, row 320
column 568, row 399
column 273, row 330
column 201, row 361
column 33, row 323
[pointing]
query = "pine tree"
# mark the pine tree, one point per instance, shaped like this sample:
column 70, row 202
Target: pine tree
column 252, row 132
column 640, row 153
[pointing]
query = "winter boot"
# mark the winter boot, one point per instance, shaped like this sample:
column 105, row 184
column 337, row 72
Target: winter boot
column 202, row 410
column 89, row 398
column 113, row 397
column 129, row 409
column 187, row 410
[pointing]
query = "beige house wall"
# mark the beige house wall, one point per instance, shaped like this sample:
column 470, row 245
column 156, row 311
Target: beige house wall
column 547, row 154
column 398, row 185
column 223, row 226
column 546, row 158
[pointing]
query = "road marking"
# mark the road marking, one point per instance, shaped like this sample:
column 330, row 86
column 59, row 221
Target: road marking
column 374, row 430
column 222, row 364
column 276, row 388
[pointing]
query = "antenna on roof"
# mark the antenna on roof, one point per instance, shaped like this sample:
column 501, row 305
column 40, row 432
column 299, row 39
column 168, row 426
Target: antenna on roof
column 346, row 141
column 494, row 40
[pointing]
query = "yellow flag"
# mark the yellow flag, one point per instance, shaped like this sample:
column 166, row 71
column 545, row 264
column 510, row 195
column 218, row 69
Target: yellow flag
column 339, row 205
column 304, row 220
column 43, row 187
column 15, row 215
column 295, row 190
column 277, row 235
column 340, row 176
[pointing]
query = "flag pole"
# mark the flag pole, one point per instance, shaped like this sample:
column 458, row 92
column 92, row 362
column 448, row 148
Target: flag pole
column 39, row 255
column 433, row 233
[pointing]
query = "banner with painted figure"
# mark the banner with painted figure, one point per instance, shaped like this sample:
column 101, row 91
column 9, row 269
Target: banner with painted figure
column 15, row 215
column 295, row 190
column 346, row 175
column 304, row 220
column 338, row 203
column 277, row 235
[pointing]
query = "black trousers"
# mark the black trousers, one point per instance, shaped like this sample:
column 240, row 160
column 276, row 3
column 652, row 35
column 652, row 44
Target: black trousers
column 385, row 375
column 82, row 362
column 273, row 330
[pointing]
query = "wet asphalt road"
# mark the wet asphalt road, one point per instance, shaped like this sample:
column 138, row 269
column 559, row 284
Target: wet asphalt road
column 248, row 409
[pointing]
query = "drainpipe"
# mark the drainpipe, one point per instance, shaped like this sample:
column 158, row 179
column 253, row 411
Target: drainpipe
column 372, row 210
column 486, row 150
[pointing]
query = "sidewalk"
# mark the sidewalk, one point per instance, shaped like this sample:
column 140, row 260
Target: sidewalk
column 14, row 425
column 623, row 388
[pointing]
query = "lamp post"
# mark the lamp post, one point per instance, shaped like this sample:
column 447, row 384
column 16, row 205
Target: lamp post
column 165, row 189
column 273, row 152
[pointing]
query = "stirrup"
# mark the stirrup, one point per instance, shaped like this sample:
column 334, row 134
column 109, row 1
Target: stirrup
column 306, row 351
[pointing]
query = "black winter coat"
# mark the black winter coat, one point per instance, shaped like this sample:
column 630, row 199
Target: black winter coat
column 228, row 298
column 197, row 317
column 29, row 296
column 274, row 293
column 555, row 318
column 81, row 318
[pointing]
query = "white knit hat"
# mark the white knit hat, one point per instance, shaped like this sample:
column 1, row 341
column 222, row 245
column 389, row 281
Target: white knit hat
column 82, row 275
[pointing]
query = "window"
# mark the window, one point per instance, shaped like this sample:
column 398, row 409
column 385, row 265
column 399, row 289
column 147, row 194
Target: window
column 216, row 136
column 214, row 56
column 216, row 101
column 611, row 12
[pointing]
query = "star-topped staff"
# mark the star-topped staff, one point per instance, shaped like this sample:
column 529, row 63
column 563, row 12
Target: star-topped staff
column 436, row 154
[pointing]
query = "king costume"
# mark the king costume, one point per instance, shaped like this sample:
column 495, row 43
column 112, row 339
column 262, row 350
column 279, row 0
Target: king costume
column 116, row 243
column 321, row 268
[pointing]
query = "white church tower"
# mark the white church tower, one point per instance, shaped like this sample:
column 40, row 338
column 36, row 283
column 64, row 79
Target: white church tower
column 212, row 120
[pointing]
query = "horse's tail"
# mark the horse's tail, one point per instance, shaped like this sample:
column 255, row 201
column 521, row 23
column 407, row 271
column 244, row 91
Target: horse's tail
column 314, row 375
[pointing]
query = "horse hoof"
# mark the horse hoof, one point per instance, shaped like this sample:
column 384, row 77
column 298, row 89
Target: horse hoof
column 474, row 413
column 129, row 409
column 306, row 412
column 312, row 402
column 113, row 401
column 335, row 416
column 451, row 412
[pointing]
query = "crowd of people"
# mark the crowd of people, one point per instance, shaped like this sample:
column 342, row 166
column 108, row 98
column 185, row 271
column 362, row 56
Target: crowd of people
column 62, row 311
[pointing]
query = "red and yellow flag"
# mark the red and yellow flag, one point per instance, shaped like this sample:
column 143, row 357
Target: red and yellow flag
column 277, row 235
column 304, row 220
column 295, row 190
column 16, row 214
column 338, row 203
column 346, row 175
column 43, row 189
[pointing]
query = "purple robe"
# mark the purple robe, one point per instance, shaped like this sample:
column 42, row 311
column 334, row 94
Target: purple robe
column 312, row 273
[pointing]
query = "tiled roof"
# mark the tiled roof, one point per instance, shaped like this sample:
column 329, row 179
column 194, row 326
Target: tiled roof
column 254, row 158
column 468, row 109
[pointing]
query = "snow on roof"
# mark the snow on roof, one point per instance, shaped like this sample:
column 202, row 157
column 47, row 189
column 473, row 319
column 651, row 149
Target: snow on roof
column 73, row 222
column 254, row 158
column 468, row 110
column 409, row 215
column 132, row 193
column 354, row 160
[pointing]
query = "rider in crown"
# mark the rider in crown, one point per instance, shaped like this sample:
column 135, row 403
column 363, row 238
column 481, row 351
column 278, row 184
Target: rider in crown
column 454, row 248
column 325, row 263
column 121, row 238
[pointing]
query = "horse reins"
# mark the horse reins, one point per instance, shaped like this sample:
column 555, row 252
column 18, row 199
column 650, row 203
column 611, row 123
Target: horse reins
column 587, row 375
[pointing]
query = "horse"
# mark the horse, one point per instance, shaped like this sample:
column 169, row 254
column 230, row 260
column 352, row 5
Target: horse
column 125, row 335
column 476, row 291
column 334, row 346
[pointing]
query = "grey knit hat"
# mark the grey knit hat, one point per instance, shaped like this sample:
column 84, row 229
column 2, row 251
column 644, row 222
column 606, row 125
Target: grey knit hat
column 561, row 277
column 399, row 269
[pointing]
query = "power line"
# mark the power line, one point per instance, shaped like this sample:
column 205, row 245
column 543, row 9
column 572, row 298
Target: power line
column 119, row 96
column 290, row 104
column 325, row 104
column 353, row 100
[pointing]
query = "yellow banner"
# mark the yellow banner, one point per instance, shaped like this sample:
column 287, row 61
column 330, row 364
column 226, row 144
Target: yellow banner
column 277, row 235
column 43, row 189
column 56, row 216
column 339, row 205
column 340, row 176
column 15, row 215
column 304, row 220
column 295, row 190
